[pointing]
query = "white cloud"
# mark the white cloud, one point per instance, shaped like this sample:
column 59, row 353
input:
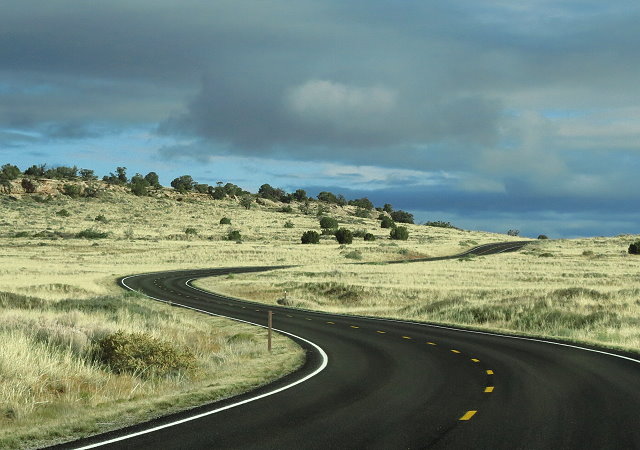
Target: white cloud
column 324, row 100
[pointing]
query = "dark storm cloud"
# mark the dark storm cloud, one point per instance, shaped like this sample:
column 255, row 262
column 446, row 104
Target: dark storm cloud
column 536, row 98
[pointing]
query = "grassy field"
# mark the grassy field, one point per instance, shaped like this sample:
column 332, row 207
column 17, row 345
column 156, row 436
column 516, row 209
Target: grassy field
column 585, row 290
column 58, row 296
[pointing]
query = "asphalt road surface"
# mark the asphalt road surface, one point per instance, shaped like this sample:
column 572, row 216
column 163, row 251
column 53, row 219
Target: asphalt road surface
column 384, row 384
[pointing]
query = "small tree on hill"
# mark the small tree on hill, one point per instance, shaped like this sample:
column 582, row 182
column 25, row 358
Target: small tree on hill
column 310, row 237
column 387, row 222
column 183, row 184
column 402, row 216
column 328, row 223
column 399, row 233
column 9, row 172
column 139, row 185
column 634, row 249
column 344, row 236
column 153, row 180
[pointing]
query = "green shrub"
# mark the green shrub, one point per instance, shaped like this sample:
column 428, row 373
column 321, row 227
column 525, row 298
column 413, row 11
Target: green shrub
column 234, row 235
column 225, row 221
column 361, row 212
column 369, row 237
column 344, row 236
column 101, row 218
column 288, row 224
column 143, row 355
column 402, row 216
column 91, row 234
column 310, row 237
column 63, row 213
column 286, row 209
column 190, row 231
column 183, row 184
column 9, row 172
column 543, row 236
column 387, row 222
column 21, row 234
column 634, row 249
column 72, row 190
column 328, row 223
column 139, row 185
column 399, row 233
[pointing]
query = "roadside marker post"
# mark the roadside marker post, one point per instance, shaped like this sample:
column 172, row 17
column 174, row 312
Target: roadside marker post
column 270, row 322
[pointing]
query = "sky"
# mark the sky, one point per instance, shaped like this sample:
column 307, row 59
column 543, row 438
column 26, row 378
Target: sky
column 491, row 114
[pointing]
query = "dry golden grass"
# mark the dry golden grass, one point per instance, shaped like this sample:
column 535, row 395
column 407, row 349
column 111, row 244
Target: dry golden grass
column 585, row 290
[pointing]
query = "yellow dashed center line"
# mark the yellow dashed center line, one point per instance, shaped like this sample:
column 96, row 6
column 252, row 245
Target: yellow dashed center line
column 475, row 360
column 432, row 343
column 353, row 326
column 489, row 372
column 468, row 415
column 331, row 323
column 488, row 389
column 308, row 318
column 381, row 332
column 455, row 351
column 407, row 337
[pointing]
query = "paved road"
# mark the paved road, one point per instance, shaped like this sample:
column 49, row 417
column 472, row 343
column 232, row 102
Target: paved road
column 397, row 385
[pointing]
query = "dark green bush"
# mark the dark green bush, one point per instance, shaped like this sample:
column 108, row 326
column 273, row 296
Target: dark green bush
column 328, row 223
column 225, row 221
column 234, row 235
column 344, row 236
column 101, row 218
column 286, row 209
column 399, row 233
column 139, row 185
column 21, row 234
column 387, row 222
column 63, row 213
column 310, row 237
column 9, row 172
column 369, row 237
column 439, row 224
column 201, row 188
column 288, row 224
column 92, row 234
column 143, row 355
column 402, row 216
column 72, row 190
column 543, row 236
column 634, row 249
column 183, row 184
column 190, row 231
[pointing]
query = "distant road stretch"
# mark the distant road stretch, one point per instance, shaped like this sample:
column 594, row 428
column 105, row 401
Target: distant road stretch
column 387, row 384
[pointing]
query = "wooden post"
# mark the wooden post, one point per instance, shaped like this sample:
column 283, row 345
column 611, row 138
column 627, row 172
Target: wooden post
column 269, row 333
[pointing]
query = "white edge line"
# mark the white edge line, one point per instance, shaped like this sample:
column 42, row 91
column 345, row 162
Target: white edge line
column 325, row 360
column 487, row 333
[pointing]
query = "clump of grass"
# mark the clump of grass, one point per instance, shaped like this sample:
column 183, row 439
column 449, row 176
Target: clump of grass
column 190, row 231
column 144, row 355
column 101, row 218
column 354, row 254
column 225, row 221
column 63, row 213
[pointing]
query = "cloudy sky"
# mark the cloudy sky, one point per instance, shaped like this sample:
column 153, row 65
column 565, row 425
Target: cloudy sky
column 493, row 114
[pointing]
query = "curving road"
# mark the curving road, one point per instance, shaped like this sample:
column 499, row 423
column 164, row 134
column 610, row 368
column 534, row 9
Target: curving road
column 395, row 385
